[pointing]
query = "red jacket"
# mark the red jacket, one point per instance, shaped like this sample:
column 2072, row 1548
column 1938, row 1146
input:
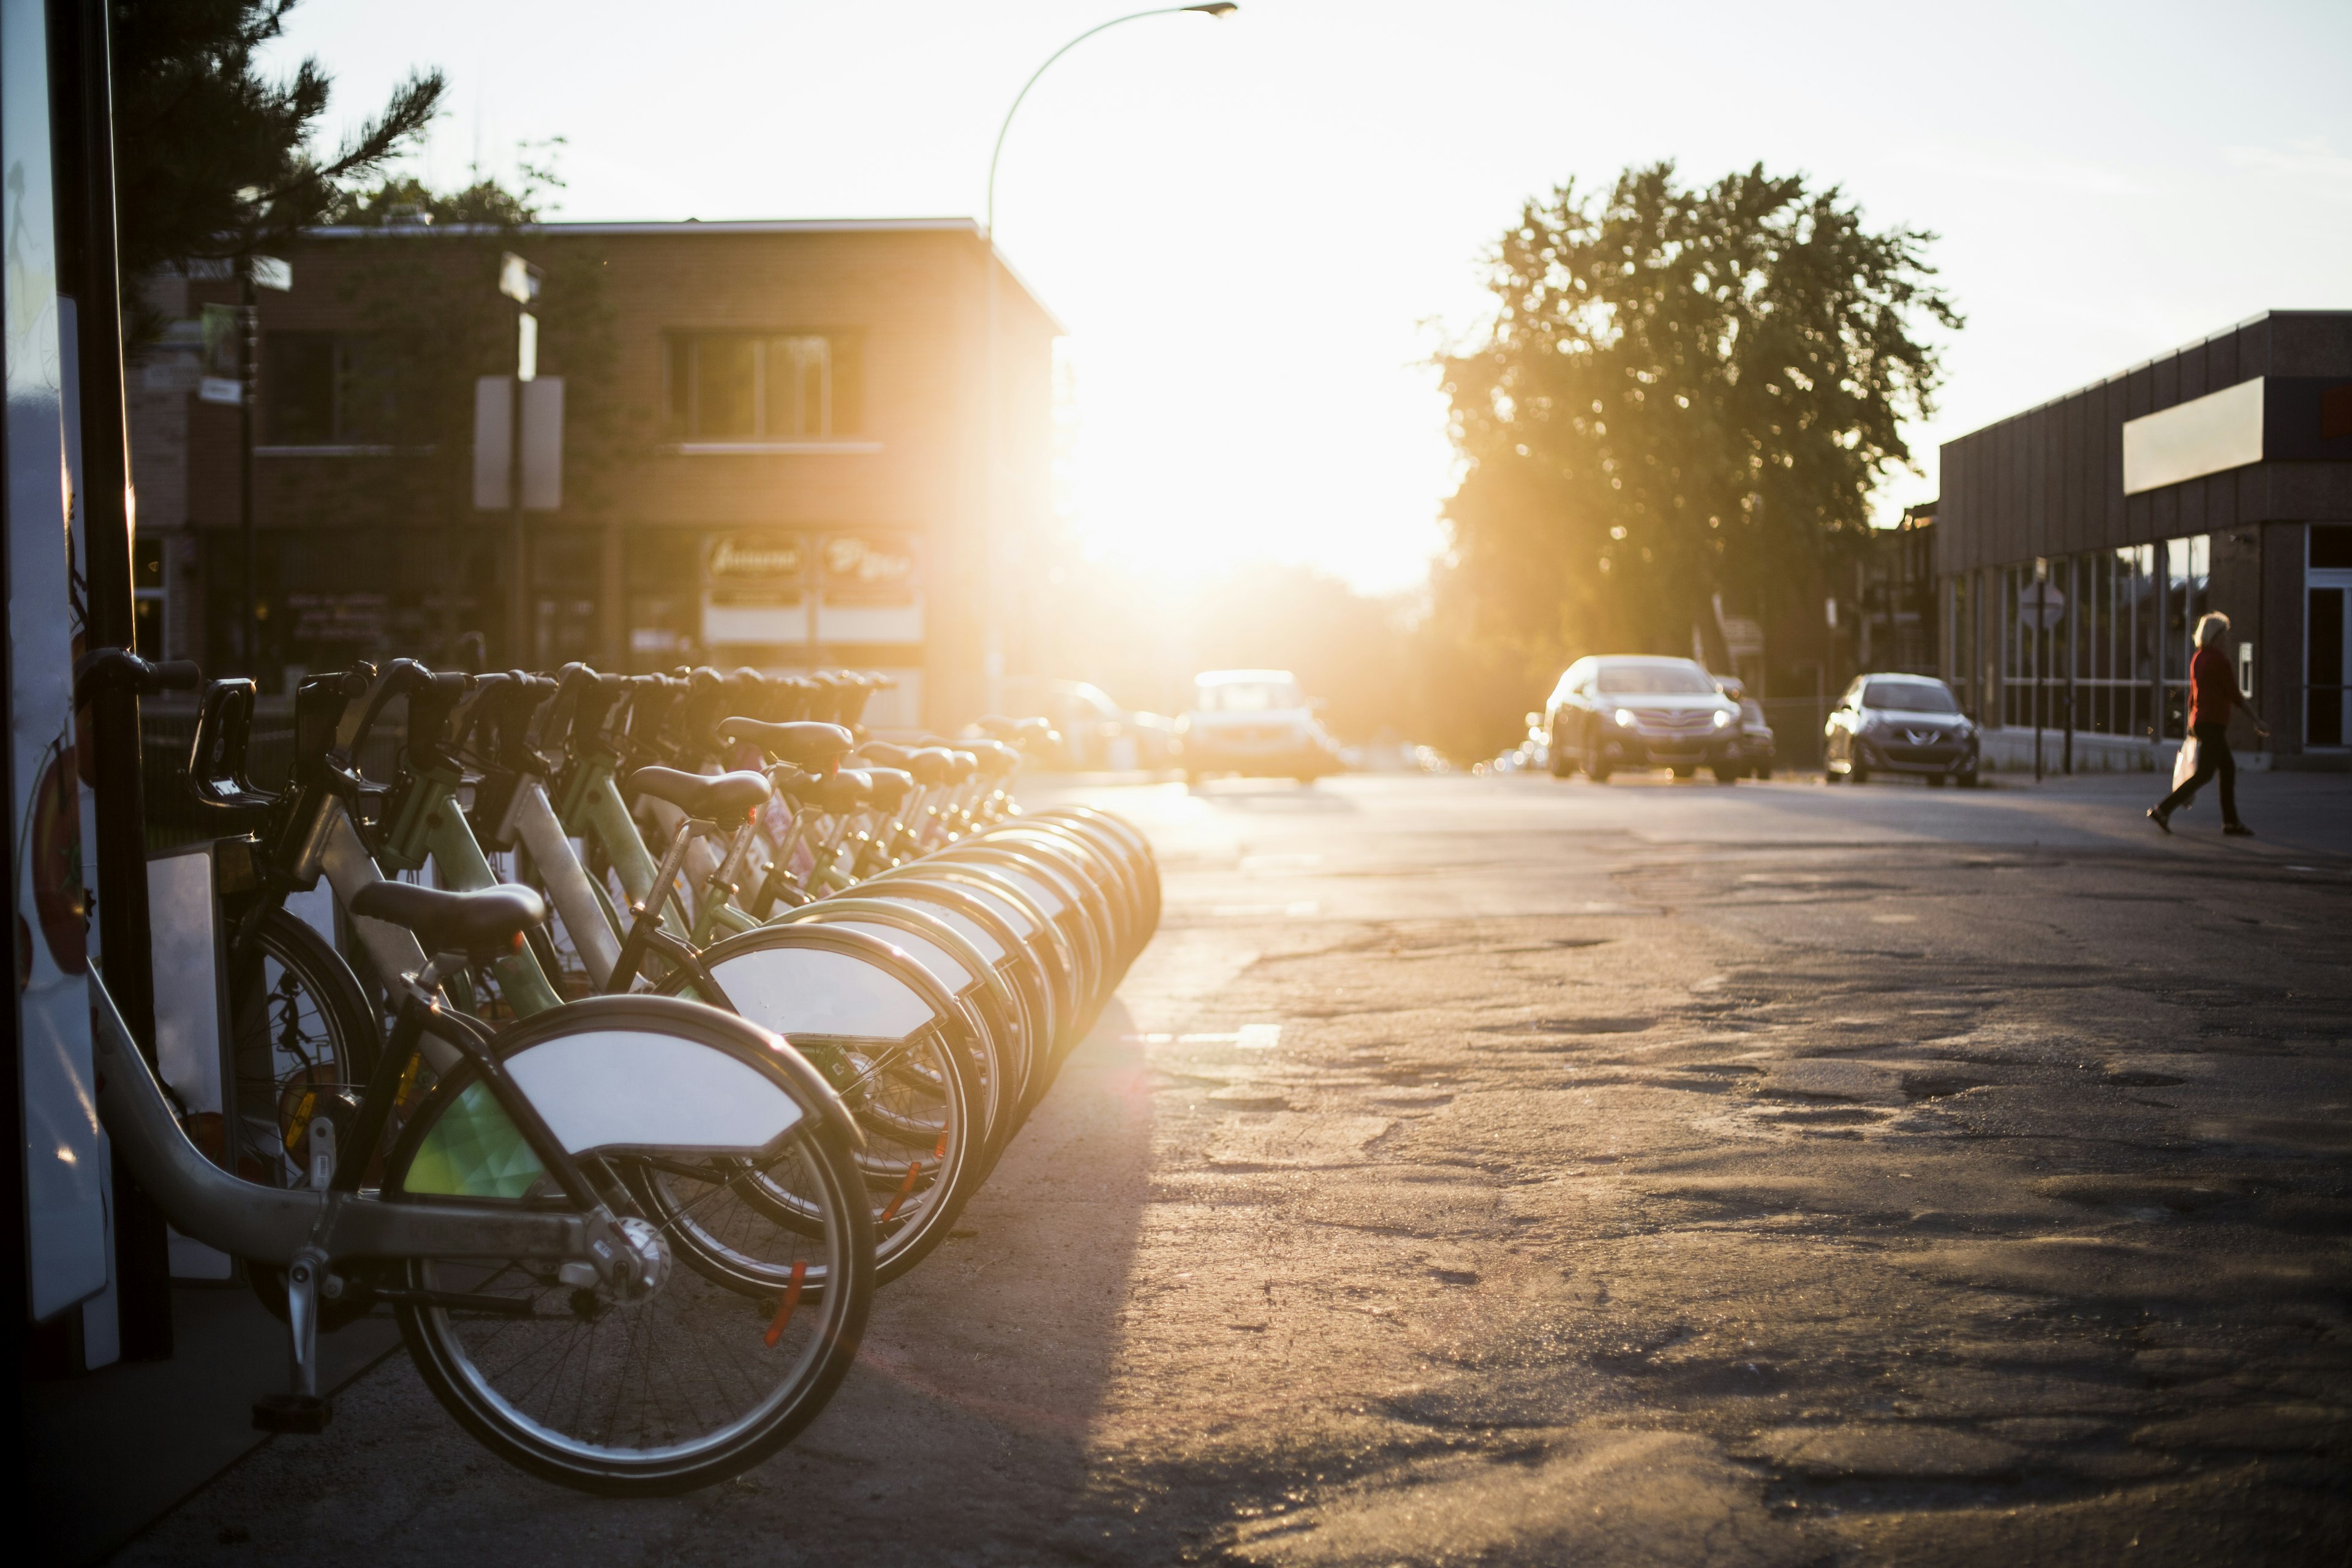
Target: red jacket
column 2212, row 688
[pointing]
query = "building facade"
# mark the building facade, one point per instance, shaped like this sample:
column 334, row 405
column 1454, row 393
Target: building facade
column 777, row 449
column 2078, row 543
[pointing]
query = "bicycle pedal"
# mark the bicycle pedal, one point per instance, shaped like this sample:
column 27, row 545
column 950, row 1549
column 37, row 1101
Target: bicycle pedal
column 303, row 1414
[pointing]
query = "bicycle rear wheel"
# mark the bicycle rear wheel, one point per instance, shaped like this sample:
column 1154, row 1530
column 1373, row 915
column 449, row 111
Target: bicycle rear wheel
column 686, row 1382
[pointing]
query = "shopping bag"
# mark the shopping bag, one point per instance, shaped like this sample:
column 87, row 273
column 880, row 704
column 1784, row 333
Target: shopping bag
column 2184, row 766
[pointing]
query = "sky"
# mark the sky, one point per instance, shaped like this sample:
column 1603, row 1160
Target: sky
column 1260, row 230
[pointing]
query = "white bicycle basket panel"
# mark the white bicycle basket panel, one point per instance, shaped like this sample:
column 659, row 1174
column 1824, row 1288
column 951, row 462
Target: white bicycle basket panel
column 1047, row 900
column 629, row 1089
column 812, row 991
column 1008, row 912
column 963, row 925
column 953, row 977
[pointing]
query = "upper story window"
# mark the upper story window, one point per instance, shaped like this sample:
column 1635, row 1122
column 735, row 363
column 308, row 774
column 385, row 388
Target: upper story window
column 759, row 388
column 325, row 389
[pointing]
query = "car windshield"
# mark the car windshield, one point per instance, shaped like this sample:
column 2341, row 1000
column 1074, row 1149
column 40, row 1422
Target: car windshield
column 1654, row 680
column 1247, row 696
column 1910, row 697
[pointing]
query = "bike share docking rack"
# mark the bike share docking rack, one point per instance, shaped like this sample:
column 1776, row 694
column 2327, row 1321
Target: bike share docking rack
column 626, row 1135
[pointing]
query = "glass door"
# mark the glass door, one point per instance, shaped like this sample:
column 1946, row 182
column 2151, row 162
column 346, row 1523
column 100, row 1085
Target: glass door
column 2327, row 713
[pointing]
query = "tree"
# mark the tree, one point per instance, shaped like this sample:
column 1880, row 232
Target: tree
column 212, row 160
column 1683, row 392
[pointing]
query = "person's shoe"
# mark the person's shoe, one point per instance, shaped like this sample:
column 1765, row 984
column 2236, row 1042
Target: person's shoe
column 2161, row 817
column 2237, row 830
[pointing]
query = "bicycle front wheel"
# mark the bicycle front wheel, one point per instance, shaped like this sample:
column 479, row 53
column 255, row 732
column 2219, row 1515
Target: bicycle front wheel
column 304, row 1040
column 666, row 1388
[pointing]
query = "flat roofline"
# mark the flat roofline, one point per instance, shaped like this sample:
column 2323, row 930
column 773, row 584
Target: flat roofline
column 653, row 229
column 2135, row 369
column 673, row 226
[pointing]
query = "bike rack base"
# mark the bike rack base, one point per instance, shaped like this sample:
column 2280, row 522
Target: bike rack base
column 304, row 1414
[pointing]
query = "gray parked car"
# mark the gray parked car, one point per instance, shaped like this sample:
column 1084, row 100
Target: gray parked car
column 1900, row 724
column 1634, row 711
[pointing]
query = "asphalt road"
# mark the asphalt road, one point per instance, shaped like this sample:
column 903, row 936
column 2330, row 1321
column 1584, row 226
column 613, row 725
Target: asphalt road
column 1501, row 1171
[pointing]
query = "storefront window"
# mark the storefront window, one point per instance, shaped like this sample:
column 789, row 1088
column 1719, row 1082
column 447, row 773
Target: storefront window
column 2187, row 574
column 2114, row 636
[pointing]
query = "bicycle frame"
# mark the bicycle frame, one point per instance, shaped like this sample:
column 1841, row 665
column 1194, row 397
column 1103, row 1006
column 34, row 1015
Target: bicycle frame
column 304, row 1229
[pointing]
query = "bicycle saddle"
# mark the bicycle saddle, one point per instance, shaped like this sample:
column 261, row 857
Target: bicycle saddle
column 484, row 924
column 810, row 746
column 844, row 790
column 961, row 764
column 725, row 797
column 931, row 766
column 888, row 786
column 796, row 787
column 996, row 758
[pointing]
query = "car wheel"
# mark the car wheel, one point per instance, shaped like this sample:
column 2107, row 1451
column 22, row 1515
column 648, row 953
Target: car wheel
column 1856, row 774
column 1726, row 774
column 1562, row 767
column 1964, row 781
column 1597, row 772
column 1764, row 772
column 1935, row 781
column 1683, row 772
column 1830, row 775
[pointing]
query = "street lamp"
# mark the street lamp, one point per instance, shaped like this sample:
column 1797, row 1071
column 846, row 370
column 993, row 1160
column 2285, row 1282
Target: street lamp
column 1220, row 9
column 991, row 573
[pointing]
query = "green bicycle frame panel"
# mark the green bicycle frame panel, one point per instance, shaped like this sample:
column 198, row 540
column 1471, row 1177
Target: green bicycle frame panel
column 591, row 808
column 431, row 826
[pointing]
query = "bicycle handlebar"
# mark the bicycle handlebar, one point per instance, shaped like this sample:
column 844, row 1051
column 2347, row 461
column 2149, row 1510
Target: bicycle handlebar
column 119, row 668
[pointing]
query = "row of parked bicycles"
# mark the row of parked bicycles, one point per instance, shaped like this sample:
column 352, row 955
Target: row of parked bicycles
column 627, row 1131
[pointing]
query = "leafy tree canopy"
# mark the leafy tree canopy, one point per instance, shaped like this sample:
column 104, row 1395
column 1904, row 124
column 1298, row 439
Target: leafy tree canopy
column 212, row 160
column 484, row 203
column 1683, row 391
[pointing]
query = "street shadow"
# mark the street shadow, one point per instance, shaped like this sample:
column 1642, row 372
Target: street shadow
column 964, row 1420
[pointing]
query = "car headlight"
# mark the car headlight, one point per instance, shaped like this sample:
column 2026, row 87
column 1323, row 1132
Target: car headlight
column 1623, row 717
column 1721, row 719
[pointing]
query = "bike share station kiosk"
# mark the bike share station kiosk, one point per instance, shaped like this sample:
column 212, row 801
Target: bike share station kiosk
column 141, row 1352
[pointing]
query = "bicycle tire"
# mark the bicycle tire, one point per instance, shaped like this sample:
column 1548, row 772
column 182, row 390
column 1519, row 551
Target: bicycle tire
column 540, row 1399
column 333, row 1045
column 918, row 1192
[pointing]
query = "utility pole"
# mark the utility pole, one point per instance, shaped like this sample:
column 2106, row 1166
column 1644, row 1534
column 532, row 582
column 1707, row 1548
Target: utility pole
column 519, row 281
column 2073, row 656
column 2040, row 656
column 248, row 341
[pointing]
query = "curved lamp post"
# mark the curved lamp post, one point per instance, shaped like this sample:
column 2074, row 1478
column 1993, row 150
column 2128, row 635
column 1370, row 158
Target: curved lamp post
column 991, row 572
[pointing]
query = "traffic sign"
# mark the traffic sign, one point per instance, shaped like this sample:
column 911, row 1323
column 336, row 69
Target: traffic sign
column 2040, row 606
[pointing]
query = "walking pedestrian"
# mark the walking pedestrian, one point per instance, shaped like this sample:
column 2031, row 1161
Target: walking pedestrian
column 2213, row 697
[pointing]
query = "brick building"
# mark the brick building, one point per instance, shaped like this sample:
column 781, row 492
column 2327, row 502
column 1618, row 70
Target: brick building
column 776, row 453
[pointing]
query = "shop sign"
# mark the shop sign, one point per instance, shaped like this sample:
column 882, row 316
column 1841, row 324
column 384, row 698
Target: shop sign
column 339, row 617
column 763, row 563
column 862, row 569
